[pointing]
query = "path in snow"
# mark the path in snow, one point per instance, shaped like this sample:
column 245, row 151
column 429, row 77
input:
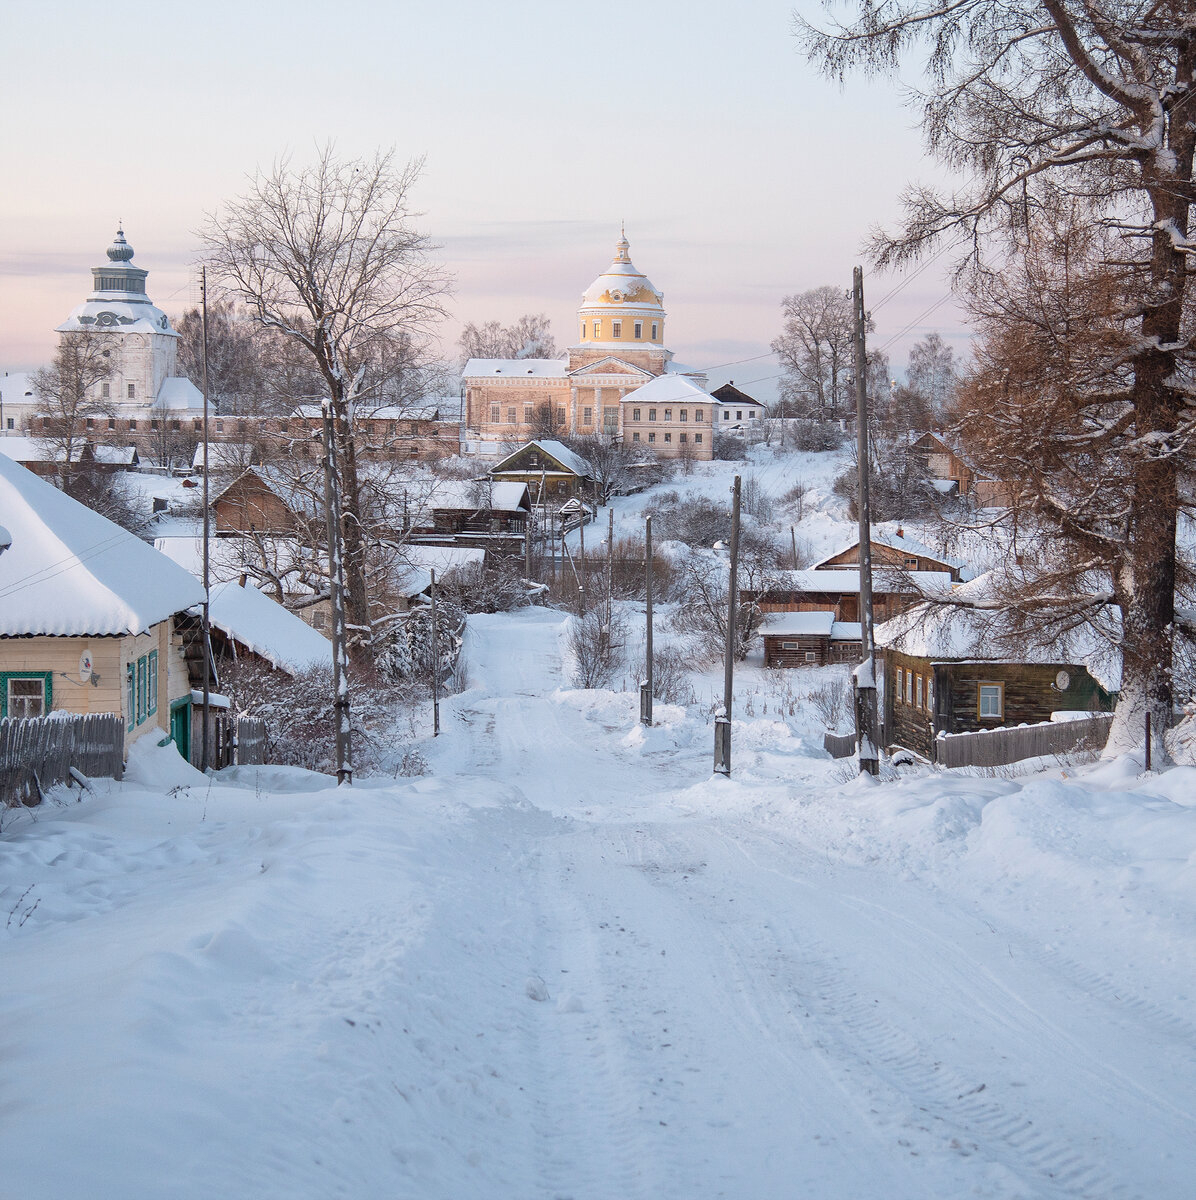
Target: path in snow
column 537, row 973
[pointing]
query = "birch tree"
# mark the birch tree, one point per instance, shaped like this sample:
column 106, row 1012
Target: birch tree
column 815, row 351
column 1037, row 103
column 329, row 258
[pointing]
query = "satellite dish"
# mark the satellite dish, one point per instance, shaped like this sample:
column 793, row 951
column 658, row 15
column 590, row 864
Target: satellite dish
column 1063, row 681
column 86, row 667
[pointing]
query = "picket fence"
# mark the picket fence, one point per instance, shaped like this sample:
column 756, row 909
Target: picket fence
column 999, row 747
column 36, row 753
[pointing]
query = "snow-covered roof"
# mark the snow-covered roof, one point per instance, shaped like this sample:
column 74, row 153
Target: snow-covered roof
column 225, row 456
column 103, row 312
column 16, row 387
column 554, row 449
column 72, row 572
column 115, row 456
column 847, row 579
column 798, row 624
column 463, row 495
column 26, row 449
column 445, row 408
column 228, row 557
column 268, row 629
column 847, row 631
column 444, row 559
column 898, row 540
column 669, row 389
column 517, row 368
column 177, row 391
column 966, row 632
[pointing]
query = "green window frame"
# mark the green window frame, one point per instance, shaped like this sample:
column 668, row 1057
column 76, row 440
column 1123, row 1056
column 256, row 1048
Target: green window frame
column 130, row 697
column 141, row 690
column 46, row 677
column 151, row 705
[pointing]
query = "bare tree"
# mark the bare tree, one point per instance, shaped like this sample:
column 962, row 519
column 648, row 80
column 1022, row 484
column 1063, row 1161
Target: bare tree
column 529, row 337
column 931, row 378
column 328, row 257
column 1045, row 102
column 72, row 398
column 815, row 350
column 237, row 370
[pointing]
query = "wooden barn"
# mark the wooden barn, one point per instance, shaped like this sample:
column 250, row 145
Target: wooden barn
column 944, row 673
column 809, row 639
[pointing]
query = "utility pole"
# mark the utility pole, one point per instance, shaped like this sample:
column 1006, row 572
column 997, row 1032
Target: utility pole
column 435, row 664
column 722, row 724
column 206, row 624
column 865, row 674
column 581, row 578
column 610, row 568
column 646, row 686
column 336, row 577
column 527, row 547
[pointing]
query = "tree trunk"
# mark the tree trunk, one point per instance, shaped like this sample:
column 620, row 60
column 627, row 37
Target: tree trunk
column 357, row 606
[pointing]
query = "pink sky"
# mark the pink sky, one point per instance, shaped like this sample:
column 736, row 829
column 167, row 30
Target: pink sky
column 741, row 175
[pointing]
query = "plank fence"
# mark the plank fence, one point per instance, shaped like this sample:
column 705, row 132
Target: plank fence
column 237, row 741
column 36, row 753
column 999, row 747
column 839, row 745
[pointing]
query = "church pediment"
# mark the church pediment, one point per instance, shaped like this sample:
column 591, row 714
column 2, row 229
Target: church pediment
column 611, row 366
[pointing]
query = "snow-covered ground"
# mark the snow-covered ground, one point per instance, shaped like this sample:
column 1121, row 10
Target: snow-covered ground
column 569, row 963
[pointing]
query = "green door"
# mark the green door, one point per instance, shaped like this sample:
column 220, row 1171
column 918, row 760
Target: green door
column 180, row 728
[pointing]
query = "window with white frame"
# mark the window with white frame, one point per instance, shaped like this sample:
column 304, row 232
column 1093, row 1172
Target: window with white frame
column 616, row 329
column 991, row 701
column 26, row 694
column 639, row 330
column 655, row 329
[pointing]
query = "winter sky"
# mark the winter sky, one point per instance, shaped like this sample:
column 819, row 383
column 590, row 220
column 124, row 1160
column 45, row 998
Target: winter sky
column 741, row 174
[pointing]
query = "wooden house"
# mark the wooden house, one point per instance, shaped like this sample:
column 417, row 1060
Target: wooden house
column 91, row 617
column 948, row 467
column 266, row 500
column 838, row 591
column 944, row 672
column 900, row 552
column 809, row 639
column 550, row 469
column 483, row 506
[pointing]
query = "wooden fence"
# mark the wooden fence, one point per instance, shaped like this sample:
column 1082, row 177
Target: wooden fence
column 237, row 741
column 38, row 752
column 999, row 747
column 839, row 745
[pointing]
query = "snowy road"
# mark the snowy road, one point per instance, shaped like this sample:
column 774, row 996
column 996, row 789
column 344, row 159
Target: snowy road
column 541, row 973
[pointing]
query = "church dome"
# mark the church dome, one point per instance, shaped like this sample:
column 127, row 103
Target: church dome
column 622, row 286
column 120, row 251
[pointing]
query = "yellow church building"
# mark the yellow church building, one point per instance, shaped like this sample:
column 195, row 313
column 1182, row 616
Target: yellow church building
column 592, row 390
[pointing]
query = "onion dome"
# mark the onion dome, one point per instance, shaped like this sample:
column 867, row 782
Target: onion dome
column 120, row 251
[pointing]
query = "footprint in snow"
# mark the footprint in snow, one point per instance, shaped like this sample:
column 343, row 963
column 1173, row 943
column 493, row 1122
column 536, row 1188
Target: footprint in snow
column 536, row 988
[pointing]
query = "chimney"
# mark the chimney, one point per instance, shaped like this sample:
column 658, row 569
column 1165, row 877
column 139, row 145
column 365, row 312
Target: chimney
column 900, row 532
